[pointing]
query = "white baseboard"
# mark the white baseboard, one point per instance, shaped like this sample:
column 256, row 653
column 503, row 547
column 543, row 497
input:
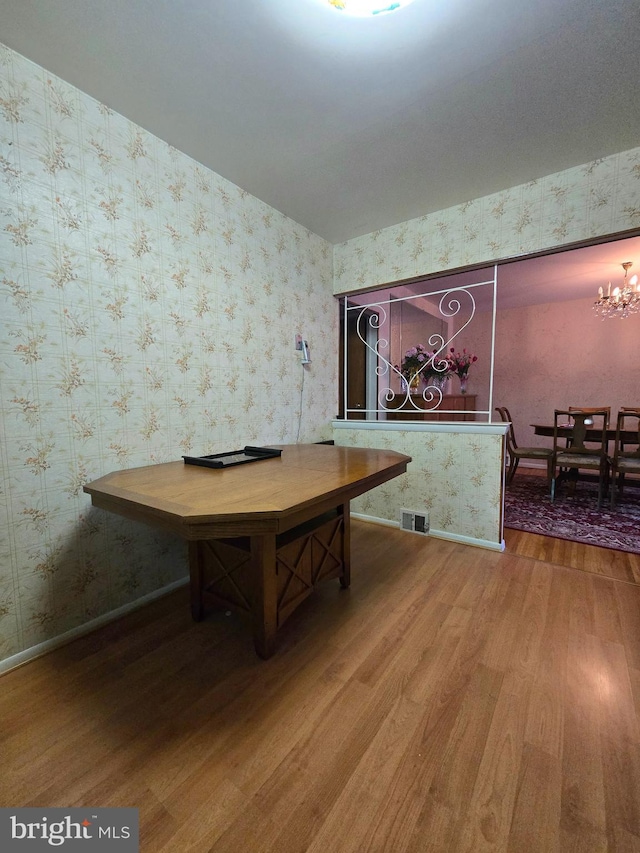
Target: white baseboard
column 437, row 534
column 49, row 645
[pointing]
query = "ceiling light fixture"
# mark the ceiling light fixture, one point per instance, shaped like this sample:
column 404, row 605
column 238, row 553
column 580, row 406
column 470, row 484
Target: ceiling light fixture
column 623, row 300
column 367, row 8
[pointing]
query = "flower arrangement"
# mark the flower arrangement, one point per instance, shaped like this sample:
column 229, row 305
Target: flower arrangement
column 420, row 363
column 413, row 361
column 460, row 362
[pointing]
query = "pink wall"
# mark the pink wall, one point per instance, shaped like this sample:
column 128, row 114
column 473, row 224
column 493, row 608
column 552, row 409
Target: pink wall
column 557, row 355
column 476, row 339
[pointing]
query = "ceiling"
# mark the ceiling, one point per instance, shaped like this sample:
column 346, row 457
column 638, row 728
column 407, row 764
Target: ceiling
column 565, row 276
column 350, row 125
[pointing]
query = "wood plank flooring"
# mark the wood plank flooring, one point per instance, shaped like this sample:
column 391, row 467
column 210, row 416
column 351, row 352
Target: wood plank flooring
column 454, row 699
column 618, row 565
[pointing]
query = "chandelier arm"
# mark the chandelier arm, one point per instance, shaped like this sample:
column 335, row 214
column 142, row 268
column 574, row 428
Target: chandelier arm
column 624, row 300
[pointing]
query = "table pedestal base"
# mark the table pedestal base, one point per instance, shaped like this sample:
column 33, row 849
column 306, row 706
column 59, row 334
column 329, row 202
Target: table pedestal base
column 269, row 575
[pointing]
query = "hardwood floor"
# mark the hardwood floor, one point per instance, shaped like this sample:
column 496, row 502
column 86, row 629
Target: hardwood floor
column 454, row 699
column 619, row 565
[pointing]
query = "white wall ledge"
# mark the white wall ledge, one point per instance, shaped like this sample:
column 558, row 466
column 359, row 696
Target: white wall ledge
column 460, row 427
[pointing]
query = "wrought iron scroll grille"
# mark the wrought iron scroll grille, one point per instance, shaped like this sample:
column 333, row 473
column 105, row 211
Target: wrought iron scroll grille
column 387, row 388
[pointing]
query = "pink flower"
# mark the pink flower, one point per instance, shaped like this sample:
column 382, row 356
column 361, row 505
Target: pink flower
column 460, row 362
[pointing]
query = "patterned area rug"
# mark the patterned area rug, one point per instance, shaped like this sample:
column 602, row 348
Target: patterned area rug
column 575, row 517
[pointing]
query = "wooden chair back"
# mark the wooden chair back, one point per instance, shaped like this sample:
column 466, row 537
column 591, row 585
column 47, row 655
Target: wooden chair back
column 583, row 421
column 511, row 436
column 628, row 420
column 516, row 452
column 626, row 454
column 592, row 410
column 587, row 447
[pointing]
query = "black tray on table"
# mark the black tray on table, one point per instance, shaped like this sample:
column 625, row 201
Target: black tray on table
column 234, row 457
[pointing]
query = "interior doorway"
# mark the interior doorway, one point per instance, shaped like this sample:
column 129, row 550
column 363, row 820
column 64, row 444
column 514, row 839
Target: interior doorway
column 355, row 393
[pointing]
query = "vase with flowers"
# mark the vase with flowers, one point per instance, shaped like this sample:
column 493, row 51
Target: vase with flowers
column 459, row 363
column 420, row 364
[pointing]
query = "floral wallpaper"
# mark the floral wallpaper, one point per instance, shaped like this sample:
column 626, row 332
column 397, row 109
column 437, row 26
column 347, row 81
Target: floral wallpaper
column 149, row 309
column 455, row 476
column 598, row 198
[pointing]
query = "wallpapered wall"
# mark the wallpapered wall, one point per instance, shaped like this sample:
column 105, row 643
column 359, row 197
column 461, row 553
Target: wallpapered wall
column 599, row 198
column 149, row 310
column 454, row 476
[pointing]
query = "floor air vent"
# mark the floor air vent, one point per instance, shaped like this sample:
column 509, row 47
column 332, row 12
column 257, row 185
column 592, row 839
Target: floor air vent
column 416, row 522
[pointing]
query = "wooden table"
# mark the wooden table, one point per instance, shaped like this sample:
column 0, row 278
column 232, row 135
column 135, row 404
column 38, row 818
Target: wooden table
column 628, row 436
column 261, row 535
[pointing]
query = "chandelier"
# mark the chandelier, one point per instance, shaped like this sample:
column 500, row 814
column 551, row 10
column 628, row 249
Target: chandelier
column 621, row 301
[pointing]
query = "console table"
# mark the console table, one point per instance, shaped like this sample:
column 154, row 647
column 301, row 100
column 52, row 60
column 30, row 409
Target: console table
column 261, row 535
column 463, row 406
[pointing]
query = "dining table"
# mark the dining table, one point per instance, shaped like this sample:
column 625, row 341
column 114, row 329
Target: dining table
column 629, row 436
column 261, row 536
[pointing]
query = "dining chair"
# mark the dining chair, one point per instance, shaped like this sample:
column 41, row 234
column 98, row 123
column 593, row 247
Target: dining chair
column 592, row 410
column 517, row 453
column 581, row 451
column 626, row 457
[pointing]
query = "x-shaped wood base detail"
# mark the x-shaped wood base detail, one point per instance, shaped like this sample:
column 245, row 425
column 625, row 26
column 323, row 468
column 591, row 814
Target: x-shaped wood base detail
column 269, row 575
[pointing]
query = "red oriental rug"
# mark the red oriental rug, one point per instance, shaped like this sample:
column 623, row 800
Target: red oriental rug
column 574, row 516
